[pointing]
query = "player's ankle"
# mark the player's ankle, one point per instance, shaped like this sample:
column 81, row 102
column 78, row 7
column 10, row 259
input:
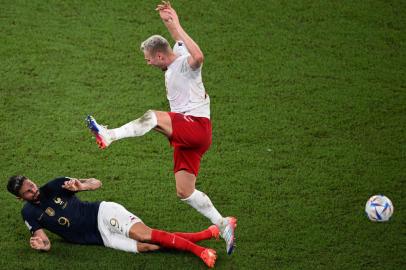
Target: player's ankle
column 111, row 134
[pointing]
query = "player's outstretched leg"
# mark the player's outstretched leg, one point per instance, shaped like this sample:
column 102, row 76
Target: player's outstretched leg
column 227, row 227
column 209, row 233
column 185, row 189
column 141, row 232
column 136, row 128
column 103, row 138
column 172, row 241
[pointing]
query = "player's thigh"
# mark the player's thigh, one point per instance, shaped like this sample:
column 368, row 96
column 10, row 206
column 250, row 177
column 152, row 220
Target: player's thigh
column 164, row 125
column 116, row 218
column 189, row 131
column 121, row 242
column 187, row 159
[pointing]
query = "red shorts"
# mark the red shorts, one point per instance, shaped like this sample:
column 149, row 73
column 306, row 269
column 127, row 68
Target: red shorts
column 191, row 138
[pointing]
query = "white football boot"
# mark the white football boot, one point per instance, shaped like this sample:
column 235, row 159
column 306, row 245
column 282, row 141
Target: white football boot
column 103, row 138
column 227, row 228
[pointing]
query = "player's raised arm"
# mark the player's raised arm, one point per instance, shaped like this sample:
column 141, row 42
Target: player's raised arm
column 40, row 241
column 171, row 21
column 82, row 184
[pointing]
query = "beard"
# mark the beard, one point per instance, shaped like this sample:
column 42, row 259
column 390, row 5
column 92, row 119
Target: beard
column 36, row 197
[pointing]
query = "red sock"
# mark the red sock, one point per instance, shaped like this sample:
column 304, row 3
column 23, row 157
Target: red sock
column 195, row 237
column 172, row 241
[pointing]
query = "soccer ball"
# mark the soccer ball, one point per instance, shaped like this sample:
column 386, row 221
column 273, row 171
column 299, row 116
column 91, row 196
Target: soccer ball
column 379, row 208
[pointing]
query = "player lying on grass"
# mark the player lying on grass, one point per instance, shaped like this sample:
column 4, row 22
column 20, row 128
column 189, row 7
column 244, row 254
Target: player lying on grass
column 188, row 125
column 55, row 207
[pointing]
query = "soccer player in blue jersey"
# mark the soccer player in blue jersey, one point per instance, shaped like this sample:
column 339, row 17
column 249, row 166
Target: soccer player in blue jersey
column 55, row 207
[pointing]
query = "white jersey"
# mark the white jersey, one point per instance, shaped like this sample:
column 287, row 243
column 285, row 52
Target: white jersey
column 184, row 86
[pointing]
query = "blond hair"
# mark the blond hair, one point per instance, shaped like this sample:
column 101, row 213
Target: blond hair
column 154, row 44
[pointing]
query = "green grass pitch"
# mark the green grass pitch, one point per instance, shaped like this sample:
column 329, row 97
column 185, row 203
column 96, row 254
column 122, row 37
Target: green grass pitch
column 309, row 120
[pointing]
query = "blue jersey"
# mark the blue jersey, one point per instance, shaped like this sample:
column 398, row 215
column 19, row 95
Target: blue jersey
column 62, row 213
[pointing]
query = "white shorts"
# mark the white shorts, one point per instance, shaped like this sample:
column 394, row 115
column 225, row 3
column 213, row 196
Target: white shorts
column 114, row 223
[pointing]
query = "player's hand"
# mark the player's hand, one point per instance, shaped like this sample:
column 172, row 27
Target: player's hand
column 163, row 5
column 37, row 243
column 73, row 185
column 167, row 13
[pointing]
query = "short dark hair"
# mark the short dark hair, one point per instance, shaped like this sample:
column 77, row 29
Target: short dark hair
column 15, row 183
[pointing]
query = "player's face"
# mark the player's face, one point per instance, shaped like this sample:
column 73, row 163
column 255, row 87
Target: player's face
column 157, row 60
column 29, row 191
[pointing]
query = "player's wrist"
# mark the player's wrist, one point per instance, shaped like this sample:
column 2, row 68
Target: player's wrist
column 171, row 23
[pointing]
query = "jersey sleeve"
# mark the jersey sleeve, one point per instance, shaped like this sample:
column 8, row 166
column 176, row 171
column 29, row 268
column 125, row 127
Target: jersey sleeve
column 181, row 50
column 31, row 216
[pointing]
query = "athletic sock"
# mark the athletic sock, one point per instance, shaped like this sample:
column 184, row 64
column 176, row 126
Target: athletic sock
column 195, row 237
column 135, row 128
column 202, row 203
column 172, row 241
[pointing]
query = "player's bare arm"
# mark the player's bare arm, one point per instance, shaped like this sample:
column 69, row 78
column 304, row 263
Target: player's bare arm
column 40, row 241
column 82, row 184
column 171, row 21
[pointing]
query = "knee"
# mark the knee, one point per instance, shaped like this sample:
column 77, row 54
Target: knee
column 163, row 122
column 144, row 237
column 149, row 112
column 156, row 114
column 140, row 232
column 183, row 193
column 149, row 116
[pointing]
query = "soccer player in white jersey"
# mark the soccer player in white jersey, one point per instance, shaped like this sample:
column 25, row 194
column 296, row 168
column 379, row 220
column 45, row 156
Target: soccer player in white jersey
column 187, row 126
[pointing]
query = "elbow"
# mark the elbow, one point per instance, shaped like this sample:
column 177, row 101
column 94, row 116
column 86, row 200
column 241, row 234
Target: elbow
column 197, row 61
column 199, row 58
column 93, row 183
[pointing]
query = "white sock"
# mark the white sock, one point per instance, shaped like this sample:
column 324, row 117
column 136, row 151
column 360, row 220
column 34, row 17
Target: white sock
column 135, row 128
column 202, row 203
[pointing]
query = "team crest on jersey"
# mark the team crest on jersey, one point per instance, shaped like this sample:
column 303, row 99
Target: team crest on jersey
column 50, row 212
